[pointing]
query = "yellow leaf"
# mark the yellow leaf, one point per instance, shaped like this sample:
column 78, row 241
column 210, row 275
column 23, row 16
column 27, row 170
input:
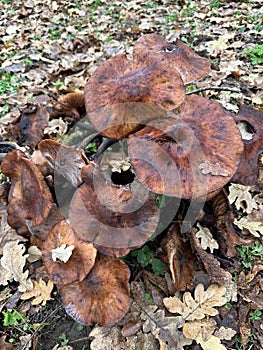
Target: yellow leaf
column 13, row 262
column 204, row 327
column 207, row 240
column 212, row 343
column 201, row 305
column 41, row 292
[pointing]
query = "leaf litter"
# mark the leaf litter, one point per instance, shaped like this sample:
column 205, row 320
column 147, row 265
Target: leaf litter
column 50, row 50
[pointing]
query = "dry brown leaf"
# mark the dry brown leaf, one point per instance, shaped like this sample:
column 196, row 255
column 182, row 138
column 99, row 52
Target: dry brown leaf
column 8, row 234
column 201, row 305
column 213, row 169
column 254, row 227
column 207, row 240
column 165, row 329
column 205, row 328
column 212, row 343
column 41, row 292
column 12, row 265
column 225, row 333
column 242, row 198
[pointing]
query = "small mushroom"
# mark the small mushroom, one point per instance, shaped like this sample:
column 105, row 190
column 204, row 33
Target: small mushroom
column 75, row 267
column 190, row 65
column 102, row 297
column 63, row 160
column 187, row 155
column 247, row 172
column 27, row 183
column 113, row 216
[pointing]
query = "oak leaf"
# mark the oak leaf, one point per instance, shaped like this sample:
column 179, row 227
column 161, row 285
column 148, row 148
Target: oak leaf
column 212, row 343
column 12, row 265
column 207, row 240
column 62, row 253
column 213, row 169
column 165, row 329
column 254, row 227
column 204, row 327
column 242, row 198
column 225, row 333
column 201, row 305
column 41, row 292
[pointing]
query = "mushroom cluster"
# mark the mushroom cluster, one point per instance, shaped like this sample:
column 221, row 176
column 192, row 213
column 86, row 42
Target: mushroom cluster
column 168, row 143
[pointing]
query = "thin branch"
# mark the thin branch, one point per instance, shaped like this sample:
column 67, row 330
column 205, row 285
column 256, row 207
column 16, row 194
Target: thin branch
column 216, row 88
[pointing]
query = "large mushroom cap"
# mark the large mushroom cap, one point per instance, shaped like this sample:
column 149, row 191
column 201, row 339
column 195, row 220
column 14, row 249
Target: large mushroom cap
column 117, row 121
column 102, row 297
column 113, row 216
column 190, row 154
column 190, row 65
column 78, row 265
column 247, row 173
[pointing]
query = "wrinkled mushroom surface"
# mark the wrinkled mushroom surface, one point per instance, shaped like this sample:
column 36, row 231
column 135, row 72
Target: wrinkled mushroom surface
column 29, row 198
column 189, row 64
column 247, row 173
column 111, row 216
column 102, row 297
column 79, row 263
column 192, row 153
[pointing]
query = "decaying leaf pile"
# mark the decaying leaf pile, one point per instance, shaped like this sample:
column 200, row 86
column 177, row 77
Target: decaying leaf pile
column 170, row 147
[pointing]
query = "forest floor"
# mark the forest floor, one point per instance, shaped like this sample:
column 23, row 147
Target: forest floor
column 51, row 48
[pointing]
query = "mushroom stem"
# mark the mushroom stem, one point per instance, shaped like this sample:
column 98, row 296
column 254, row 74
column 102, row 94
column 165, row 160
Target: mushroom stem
column 103, row 146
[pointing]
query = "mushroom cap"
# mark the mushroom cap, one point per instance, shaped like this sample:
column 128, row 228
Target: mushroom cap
column 64, row 160
column 102, row 297
column 113, row 216
column 117, row 121
column 27, row 183
column 80, row 262
column 189, row 64
column 190, row 154
column 247, row 172
column 144, row 79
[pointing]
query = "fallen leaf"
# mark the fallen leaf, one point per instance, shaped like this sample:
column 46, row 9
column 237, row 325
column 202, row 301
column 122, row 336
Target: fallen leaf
column 212, row 343
column 207, row 240
column 225, row 333
column 34, row 254
column 254, row 227
column 62, row 253
column 242, row 198
column 13, row 262
column 213, row 169
column 205, row 328
column 203, row 304
column 41, row 292
column 182, row 261
column 165, row 329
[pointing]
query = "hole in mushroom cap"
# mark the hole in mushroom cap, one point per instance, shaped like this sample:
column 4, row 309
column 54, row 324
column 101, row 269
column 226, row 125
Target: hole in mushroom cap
column 246, row 129
column 122, row 178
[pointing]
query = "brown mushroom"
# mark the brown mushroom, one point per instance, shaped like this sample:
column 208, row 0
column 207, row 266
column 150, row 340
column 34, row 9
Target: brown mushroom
column 29, row 198
column 63, row 160
column 113, row 216
column 190, row 154
column 102, row 297
column 117, row 121
column 144, row 79
column 247, row 173
column 190, row 65
column 72, row 269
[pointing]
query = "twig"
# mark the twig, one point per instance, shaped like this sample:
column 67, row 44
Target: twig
column 216, row 88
